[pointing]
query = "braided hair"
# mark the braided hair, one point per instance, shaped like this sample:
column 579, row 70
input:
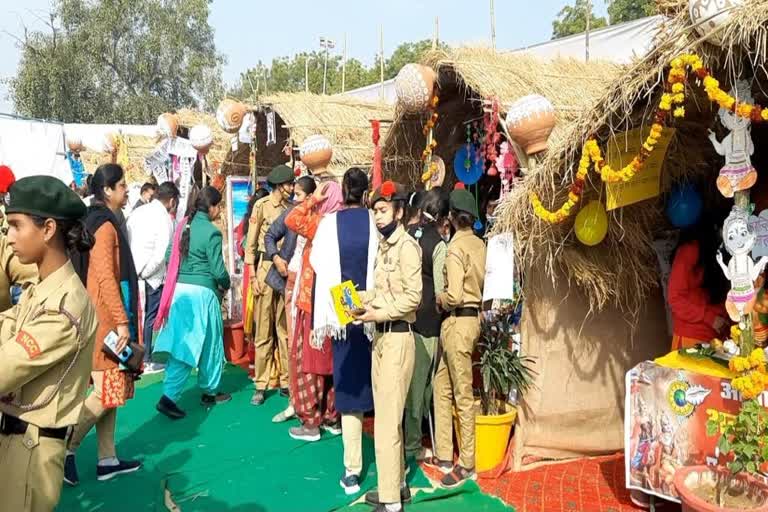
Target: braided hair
column 207, row 198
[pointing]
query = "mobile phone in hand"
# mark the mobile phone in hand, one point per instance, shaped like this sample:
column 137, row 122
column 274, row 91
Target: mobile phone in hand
column 110, row 340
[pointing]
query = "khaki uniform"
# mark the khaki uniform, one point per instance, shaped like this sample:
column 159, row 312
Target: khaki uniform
column 46, row 342
column 12, row 272
column 269, row 307
column 464, row 275
column 396, row 297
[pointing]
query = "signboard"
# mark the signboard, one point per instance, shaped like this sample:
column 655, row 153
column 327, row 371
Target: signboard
column 237, row 206
column 759, row 226
column 622, row 148
column 665, row 424
column 500, row 268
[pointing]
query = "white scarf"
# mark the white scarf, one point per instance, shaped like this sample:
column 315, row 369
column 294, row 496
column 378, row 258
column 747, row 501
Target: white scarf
column 325, row 259
column 295, row 266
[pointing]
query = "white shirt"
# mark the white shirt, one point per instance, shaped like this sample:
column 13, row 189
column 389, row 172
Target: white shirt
column 150, row 230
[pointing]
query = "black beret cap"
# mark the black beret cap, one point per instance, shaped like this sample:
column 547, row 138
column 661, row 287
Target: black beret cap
column 46, row 197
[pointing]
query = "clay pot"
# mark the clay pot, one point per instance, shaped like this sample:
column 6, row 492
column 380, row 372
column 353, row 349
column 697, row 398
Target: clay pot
column 75, row 144
column 530, row 121
column 201, row 138
column 708, row 15
column 686, row 478
column 316, row 153
column 230, row 115
column 415, row 86
column 108, row 143
column 167, row 125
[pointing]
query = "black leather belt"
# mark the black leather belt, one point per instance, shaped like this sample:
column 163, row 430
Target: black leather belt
column 396, row 326
column 13, row 426
column 462, row 312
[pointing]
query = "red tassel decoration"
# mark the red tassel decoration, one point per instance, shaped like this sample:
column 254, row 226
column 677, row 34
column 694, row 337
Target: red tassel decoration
column 376, row 177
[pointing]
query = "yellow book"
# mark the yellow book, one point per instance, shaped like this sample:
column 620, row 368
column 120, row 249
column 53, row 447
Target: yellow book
column 345, row 301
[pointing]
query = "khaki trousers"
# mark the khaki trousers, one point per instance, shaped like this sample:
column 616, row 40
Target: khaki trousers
column 352, row 437
column 419, row 393
column 94, row 413
column 269, row 315
column 453, row 384
column 391, row 372
column 31, row 472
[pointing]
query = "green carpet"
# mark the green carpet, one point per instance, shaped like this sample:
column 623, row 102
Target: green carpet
column 229, row 458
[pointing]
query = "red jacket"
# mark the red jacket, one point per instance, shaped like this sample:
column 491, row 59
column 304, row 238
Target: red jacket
column 692, row 314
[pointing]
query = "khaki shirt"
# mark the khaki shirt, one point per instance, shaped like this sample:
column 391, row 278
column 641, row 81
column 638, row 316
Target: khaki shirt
column 397, row 291
column 46, row 344
column 464, row 272
column 264, row 213
column 12, row 272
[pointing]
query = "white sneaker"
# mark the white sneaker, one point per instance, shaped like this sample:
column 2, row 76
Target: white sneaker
column 284, row 415
column 152, row 368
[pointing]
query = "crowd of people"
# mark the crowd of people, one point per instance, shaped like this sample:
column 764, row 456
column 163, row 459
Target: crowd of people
column 118, row 297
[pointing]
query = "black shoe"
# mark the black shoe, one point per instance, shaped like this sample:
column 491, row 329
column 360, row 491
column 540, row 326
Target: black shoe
column 125, row 466
column 372, row 497
column 70, row 471
column 211, row 400
column 257, row 398
column 284, row 392
column 350, row 484
column 169, row 408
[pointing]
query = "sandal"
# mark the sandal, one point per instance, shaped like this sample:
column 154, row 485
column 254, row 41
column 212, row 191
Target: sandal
column 458, row 476
column 443, row 466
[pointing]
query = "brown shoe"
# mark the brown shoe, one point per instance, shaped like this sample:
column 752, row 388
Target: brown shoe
column 458, row 476
column 444, row 466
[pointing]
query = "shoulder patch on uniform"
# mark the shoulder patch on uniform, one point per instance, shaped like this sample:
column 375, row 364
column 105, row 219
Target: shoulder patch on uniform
column 29, row 344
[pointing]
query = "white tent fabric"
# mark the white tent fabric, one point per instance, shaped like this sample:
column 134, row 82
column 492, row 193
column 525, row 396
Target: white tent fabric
column 33, row 148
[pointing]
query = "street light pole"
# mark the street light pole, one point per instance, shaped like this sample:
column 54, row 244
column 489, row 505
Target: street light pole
column 327, row 44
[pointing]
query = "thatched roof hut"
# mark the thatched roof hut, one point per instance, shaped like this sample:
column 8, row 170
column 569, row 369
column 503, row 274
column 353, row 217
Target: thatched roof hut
column 346, row 122
column 468, row 76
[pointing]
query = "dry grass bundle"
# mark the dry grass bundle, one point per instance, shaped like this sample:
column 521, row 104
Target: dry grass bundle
column 623, row 268
column 138, row 148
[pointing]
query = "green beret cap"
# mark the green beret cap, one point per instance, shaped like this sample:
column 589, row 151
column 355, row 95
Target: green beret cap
column 46, row 197
column 389, row 191
column 463, row 201
column 280, row 174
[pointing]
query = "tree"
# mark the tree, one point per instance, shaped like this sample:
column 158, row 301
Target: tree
column 122, row 61
column 620, row 11
column 572, row 19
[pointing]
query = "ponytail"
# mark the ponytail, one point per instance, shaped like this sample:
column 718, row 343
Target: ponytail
column 74, row 234
column 206, row 198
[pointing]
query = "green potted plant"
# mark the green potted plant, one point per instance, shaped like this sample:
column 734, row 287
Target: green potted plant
column 743, row 447
column 502, row 369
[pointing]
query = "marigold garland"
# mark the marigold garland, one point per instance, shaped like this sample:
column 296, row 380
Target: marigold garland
column 671, row 103
column 753, row 379
column 430, row 167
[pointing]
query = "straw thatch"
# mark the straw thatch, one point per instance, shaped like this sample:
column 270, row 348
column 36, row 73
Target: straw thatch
column 139, row 147
column 623, row 269
column 467, row 76
column 344, row 121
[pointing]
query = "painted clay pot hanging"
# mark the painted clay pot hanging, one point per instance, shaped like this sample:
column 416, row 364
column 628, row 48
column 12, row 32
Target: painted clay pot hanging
column 201, row 138
column 707, row 16
column 530, row 121
column 167, row 125
column 316, row 153
column 230, row 115
column 109, row 143
column 75, row 144
column 415, row 86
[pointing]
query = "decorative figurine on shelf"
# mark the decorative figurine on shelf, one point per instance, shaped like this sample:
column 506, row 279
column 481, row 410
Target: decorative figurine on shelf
column 737, row 147
column 742, row 271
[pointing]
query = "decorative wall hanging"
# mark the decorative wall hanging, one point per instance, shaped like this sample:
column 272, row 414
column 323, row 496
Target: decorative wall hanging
column 376, row 174
column 437, row 176
column 530, row 121
column 507, row 166
column 271, row 130
column 167, row 125
column 737, row 147
column 415, row 86
column 708, row 16
column 230, row 115
column 316, row 153
column 245, row 134
column 492, row 137
column 741, row 270
column 429, row 167
column 467, row 165
column 75, row 144
column 591, row 224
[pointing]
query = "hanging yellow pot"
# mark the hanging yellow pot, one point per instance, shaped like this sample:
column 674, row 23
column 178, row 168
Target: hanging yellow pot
column 591, row 224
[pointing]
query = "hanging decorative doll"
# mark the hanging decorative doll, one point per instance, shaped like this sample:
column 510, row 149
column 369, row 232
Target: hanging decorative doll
column 742, row 271
column 506, row 163
column 737, row 147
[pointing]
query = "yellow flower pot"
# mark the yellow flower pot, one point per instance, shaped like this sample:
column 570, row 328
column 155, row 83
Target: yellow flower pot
column 491, row 437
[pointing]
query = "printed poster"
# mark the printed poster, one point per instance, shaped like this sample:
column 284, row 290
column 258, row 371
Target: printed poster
column 665, row 424
column 622, row 148
column 759, row 226
column 345, row 301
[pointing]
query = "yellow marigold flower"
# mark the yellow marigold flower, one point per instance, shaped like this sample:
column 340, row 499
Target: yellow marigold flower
column 677, row 62
column 648, row 147
column 679, row 112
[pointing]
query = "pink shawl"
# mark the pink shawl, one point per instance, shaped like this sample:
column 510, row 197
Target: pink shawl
column 334, row 199
column 171, row 277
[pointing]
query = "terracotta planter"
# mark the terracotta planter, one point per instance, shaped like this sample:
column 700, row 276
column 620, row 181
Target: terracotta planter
column 235, row 349
column 230, row 115
column 530, row 120
column 687, row 478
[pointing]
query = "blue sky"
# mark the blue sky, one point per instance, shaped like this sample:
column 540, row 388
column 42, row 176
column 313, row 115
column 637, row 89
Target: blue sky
column 285, row 27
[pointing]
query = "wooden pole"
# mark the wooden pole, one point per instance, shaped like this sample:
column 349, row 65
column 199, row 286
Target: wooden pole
column 493, row 26
column 586, row 33
column 344, row 66
column 381, row 60
column 306, row 73
column 436, row 38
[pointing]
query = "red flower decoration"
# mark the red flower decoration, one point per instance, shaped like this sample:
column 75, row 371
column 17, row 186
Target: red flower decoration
column 388, row 189
column 460, row 186
column 297, row 172
column 7, row 178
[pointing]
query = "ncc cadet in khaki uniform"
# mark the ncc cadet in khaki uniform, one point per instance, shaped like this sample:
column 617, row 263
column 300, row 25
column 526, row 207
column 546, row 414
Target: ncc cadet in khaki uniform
column 46, row 343
column 12, row 272
column 392, row 305
column 461, row 300
column 269, row 308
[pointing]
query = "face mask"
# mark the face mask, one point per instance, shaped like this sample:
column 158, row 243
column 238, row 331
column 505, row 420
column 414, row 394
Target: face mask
column 388, row 229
